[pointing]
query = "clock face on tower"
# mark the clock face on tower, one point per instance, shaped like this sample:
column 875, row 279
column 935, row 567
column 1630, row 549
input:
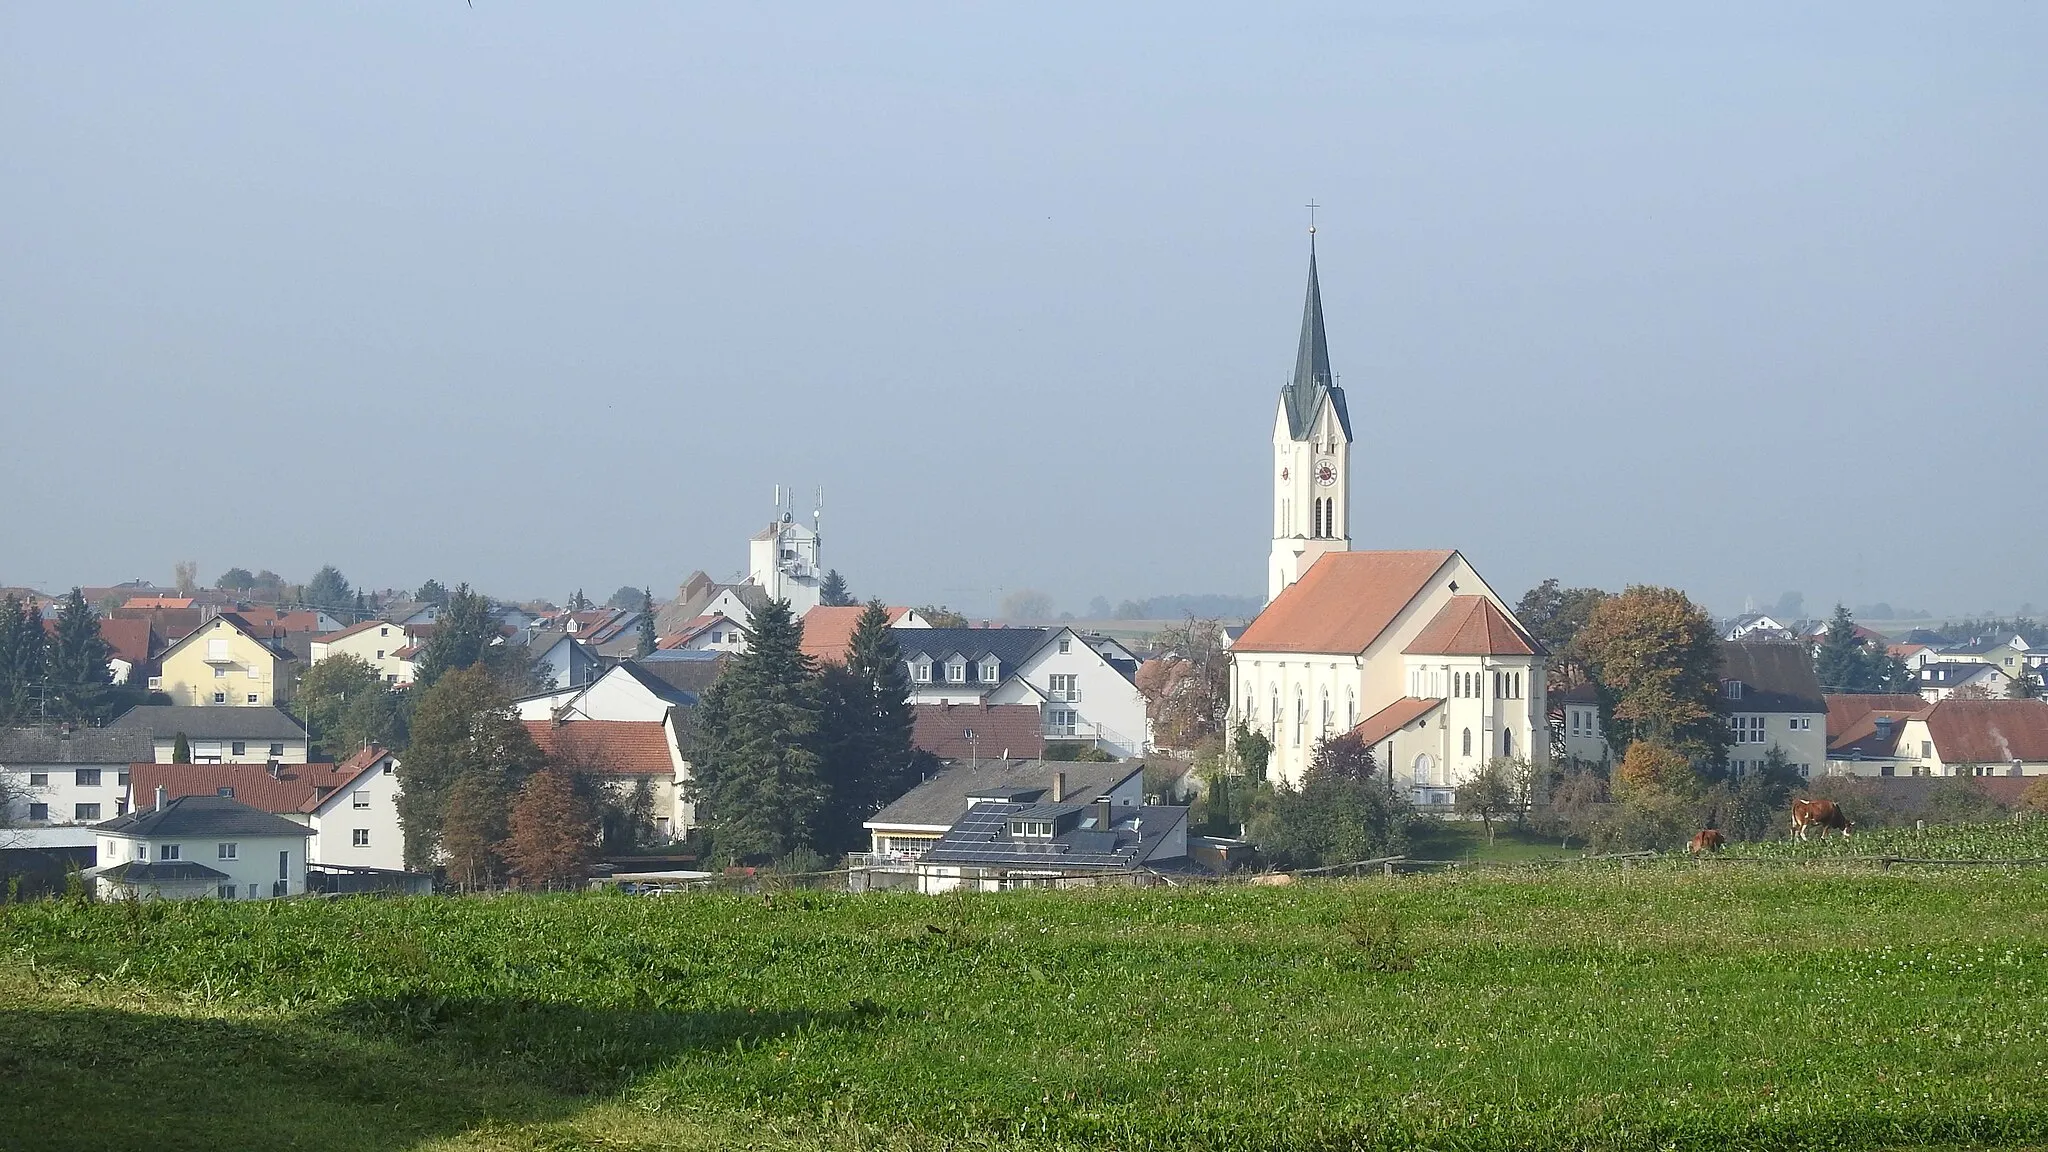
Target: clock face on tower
column 1326, row 473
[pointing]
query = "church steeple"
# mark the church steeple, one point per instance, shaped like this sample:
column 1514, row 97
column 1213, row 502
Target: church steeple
column 1312, row 375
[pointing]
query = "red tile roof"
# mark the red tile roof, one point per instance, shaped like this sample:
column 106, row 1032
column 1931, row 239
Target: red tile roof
column 1393, row 718
column 1866, row 736
column 1989, row 731
column 296, row 788
column 1846, row 710
column 607, row 747
column 128, row 638
column 1471, row 626
column 1343, row 603
column 153, row 602
column 1001, row 731
column 828, row 632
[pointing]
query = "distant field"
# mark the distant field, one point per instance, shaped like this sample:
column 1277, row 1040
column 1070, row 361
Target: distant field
column 1719, row 1006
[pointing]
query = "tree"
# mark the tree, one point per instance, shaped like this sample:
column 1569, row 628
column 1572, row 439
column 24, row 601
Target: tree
column 1338, row 816
column 1841, row 661
column 1187, row 687
column 269, row 586
column 648, row 640
column 2026, row 685
column 1027, row 604
column 867, row 759
column 553, row 832
column 832, row 593
column 1253, row 750
column 1753, row 807
column 77, row 670
column 465, row 635
column 432, row 592
column 758, row 780
column 579, row 602
column 625, row 599
column 185, row 577
column 1970, row 692
column 472, row 832
column 1495, row 791
column 24, row 648
column 235, row 580
column 345, row 705
column 2035, row 798
column 328, row 591
column 1555, row 615
column 1649, row 765
column 940, row 616
column 1099, row 608
column 1656, row 658
column 181, row 749
column 1790, row 608
column 1578, row 803
column 462, row 730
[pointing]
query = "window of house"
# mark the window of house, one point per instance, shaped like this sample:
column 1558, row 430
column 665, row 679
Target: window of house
column 167, row 852
column 39, row 811
column 255, row 672
column 1732, row 689
column 1065, row 686
column 225, row 891
column 38, row 779
column 383, row 631
column 1802, row 723
column 142, row 851
column 226, row 850
column 360, row 838
column 921, row 672
column 956, row 672
column 252, row 892
column 277, row 747
column 380, row 653
column 239, row 747
column 225, row 792
column 1926, row 749
column 1350, row 711
column 387, row 768
column 1507, row 742
column 220, row 697
column 86, row 777
column 988, row 672
column 121, row 779
column 359, row 800
column 1300, row 717
column 220, row 673
column 1066, row 646
column 1060, row 721
column 252, row 698
column 1468, row 741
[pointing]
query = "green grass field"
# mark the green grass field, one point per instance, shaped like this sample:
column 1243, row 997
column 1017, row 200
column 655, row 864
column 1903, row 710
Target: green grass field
column 1722, row 1006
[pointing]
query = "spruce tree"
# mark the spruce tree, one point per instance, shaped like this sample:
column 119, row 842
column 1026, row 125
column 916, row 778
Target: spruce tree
column 461, row 633
column 77, row 670
column 647, row 636
column 181, row 749
column 553, row 828
column 832, row 593
column 22, row 644
column 757, row 779
column 1842, row 662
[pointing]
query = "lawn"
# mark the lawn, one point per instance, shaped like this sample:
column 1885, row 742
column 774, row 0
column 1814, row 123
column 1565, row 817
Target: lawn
column 1668, row 1006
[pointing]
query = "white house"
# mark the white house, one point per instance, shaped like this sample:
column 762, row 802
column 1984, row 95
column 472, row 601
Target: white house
column 626, row 755
column 1585, row 741
column 200, row 846
column 383, row 645
column 1082, row 694
column 1941, row 678
column 256, row 735
column 57, row 775
column 1975, row 738
column 350, row 808
column 626, row 691
column 1773, row 701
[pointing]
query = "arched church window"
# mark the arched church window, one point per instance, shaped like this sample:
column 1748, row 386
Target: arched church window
column 1326, row 711
column 1423, row 765
column 1273, row 716
column 1507, row 742
column 1350, row 710
column 1300, row 717
column 1468, row 741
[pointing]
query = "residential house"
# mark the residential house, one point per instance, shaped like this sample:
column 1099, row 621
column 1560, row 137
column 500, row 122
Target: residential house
column 1585, row 741
column 59, row 775
column 2008, row 655
column 715, row 632
column 1757, row 626
column 626, row 756
column 1773, row 702
column 701, row 597
column 224, row 664
column 632, row 691
column 563, row 660
column 1976, row 738
column 978, row 731
column 132, row 646
column 217, row 735
column 1084, row 695
column 386, row 647
column 828, row 631
column 692, row 672
column 1864, row 732
column 1942, row 678
column 289, row 622
column 409, row 612
column 609, row 632
column 1002, row 844
column 200, row 846
column 915, row 821
column 351, row 807
column 1414, row 642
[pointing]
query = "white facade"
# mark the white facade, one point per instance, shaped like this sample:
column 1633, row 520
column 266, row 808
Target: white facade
column 1802, row 737
column 782, row 560
column 252, row 867
column 1584, row 739
column 1080, row 695
column 1311, row 496
column 220, row 750
column 45, row 794
column 357, row 825
column 616, row 695
column 1939, row 680
column 377, row 645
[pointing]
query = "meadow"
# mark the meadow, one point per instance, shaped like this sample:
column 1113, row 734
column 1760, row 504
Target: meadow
column 1801, row 1004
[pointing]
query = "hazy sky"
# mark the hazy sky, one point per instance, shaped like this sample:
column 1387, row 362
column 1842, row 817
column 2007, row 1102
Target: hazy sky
column 1741, row 299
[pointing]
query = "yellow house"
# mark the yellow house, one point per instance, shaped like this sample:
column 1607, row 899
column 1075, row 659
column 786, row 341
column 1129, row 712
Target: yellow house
column 223, row 663
column 384, row 646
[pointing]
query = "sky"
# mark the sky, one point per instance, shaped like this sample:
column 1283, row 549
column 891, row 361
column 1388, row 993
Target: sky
column 1739, row 298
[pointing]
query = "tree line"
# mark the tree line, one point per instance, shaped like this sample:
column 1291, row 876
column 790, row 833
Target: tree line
column 58, row 670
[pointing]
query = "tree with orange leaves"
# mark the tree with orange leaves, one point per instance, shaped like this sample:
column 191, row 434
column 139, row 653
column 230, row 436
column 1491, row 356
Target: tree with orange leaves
column 554, row 831
column 1656, row 657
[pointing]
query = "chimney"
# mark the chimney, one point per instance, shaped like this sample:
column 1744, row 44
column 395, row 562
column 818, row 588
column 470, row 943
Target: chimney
column 1059, row 787
column 1103, row 815
column 163, row 795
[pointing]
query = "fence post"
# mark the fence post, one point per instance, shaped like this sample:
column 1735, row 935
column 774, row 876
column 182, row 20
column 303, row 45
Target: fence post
column 1387, row 869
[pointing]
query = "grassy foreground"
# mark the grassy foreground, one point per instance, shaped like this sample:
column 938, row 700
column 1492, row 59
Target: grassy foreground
column 1672, row 1006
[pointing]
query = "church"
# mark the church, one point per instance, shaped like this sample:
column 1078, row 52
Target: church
column 1412, row 649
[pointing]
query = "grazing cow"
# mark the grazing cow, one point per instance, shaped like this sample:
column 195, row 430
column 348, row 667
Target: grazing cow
column 1822, row 814
column 1707, row 840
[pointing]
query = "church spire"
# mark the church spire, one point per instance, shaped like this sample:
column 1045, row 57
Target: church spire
column 1312, row 375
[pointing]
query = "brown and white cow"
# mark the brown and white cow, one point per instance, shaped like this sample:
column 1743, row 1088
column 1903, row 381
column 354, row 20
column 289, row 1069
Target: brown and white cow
column 1706, row 840
column 1823, row 814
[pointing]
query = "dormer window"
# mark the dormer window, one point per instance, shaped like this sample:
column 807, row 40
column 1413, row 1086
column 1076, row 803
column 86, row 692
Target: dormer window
column 921, row 671
column 989, row 669
column 1031, row 829
column 1732, row 689
column 956, row 672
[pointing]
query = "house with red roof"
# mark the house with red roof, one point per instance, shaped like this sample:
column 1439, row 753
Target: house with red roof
column 351, row 808
column 628, row 756
column 828, row 630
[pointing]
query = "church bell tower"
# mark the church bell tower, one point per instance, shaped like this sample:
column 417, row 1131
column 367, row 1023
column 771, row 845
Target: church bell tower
column 1311, row 453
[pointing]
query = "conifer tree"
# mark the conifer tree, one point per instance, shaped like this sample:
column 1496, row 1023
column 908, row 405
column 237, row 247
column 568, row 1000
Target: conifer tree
column 77, row 670
column 648, row 639
column 463, row 730
column 23, row 644
column 758, row 783
column 181, row 749
column 832, row 593
column 1842, row 662
column 869, row 759
column 461, row 633
column 553, row 832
